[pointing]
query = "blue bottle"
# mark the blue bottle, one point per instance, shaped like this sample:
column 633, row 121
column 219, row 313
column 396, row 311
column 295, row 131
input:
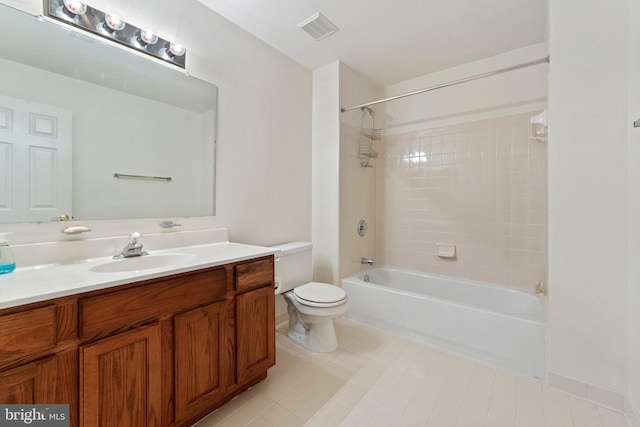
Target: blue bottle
column 7, row 261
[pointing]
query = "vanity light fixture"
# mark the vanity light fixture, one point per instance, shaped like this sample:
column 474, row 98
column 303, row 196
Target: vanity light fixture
column 175, row 50
column 73, row 8
column 114, row 21
column 145, row 37
column 112, row 26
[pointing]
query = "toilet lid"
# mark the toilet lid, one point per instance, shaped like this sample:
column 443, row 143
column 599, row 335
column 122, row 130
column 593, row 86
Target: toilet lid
column 319, row 294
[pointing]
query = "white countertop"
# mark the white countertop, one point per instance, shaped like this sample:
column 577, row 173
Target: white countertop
column 39, row 283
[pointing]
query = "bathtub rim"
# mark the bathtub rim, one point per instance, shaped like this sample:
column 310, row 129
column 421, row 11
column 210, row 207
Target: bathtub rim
column 539, row 317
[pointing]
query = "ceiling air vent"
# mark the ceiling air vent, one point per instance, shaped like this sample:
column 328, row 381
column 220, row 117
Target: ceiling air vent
column 318, row 26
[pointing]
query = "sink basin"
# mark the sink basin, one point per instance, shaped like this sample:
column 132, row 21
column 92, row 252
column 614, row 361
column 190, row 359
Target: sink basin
column 146, row 262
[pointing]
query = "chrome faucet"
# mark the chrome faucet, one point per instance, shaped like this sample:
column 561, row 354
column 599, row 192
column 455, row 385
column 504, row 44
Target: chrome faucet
column 367, row 261
column 133, row 248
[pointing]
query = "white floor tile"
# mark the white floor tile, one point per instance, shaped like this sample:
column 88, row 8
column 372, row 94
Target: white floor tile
column 375, row 378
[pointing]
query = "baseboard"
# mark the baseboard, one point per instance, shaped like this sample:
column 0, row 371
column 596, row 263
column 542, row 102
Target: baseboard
column 590, row 392
column 282, row 318
column 632, row 415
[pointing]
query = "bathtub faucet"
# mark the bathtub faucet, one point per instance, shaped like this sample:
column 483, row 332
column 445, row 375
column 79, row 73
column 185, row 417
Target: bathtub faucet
column 367, row 261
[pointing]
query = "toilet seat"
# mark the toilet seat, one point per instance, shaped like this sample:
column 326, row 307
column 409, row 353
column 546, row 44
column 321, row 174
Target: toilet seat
column 315, row 294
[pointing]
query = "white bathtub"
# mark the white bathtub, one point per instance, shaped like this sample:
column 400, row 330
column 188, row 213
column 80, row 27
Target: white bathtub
column 502, row 326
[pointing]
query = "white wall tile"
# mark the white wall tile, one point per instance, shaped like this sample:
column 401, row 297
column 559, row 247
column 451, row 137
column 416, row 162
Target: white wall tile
column 479, row 185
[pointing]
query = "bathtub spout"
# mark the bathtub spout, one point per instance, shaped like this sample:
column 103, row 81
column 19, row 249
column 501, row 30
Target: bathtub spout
column 367, row 261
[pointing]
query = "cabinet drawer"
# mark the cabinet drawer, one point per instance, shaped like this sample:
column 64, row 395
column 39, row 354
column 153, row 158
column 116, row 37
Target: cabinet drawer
column 122, row 309
column 254, row 274
column 27, row 332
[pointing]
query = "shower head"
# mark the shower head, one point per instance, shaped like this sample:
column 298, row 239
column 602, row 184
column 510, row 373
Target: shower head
column 373, row 113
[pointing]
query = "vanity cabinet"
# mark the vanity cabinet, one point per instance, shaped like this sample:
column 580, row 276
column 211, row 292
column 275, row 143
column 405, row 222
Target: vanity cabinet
column 120, row 380
column 22, row 334
column 255, row 333
column 202, row 361
column 255, row 308
column 38, row 359
column 160, row 352
column 33, row 382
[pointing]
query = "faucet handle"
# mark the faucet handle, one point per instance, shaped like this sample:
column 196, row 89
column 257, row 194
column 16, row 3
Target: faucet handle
column 134, row 237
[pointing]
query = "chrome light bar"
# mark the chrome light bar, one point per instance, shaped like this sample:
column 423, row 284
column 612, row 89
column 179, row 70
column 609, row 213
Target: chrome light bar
column 111, row 26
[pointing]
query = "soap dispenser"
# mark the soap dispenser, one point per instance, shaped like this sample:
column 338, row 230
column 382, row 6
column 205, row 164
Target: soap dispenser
column 7, row 261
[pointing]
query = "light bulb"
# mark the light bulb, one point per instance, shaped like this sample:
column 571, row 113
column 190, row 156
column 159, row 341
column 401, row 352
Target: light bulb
column 176, row 49
column 76, row 7
column 148, row 37
column 114, row 21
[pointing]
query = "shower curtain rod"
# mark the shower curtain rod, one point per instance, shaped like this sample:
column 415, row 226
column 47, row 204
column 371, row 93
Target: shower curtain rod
column 452, row 83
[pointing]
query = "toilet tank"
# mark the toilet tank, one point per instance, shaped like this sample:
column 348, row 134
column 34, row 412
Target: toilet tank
column 293, row 265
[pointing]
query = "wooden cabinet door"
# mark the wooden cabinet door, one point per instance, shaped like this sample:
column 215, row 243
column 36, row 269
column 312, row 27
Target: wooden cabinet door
column 121, row 380
column 31, row 383
column 255, row 333
column 201, row 363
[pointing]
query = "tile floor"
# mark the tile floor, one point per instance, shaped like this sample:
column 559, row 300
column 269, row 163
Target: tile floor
column 376, row 378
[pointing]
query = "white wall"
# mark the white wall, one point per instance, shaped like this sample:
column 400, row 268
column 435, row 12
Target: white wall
column 633, row 350
column 326, row 179
column 343, row 191
column 264, row 118
column 588, row 192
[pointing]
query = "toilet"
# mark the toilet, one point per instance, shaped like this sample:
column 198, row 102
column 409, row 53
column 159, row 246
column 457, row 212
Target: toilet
column 312, row 306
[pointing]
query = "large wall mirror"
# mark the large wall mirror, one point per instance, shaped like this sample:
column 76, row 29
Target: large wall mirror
column 94, row 131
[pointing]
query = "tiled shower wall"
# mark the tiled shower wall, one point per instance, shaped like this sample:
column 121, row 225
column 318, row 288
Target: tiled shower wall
column 481, row 186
